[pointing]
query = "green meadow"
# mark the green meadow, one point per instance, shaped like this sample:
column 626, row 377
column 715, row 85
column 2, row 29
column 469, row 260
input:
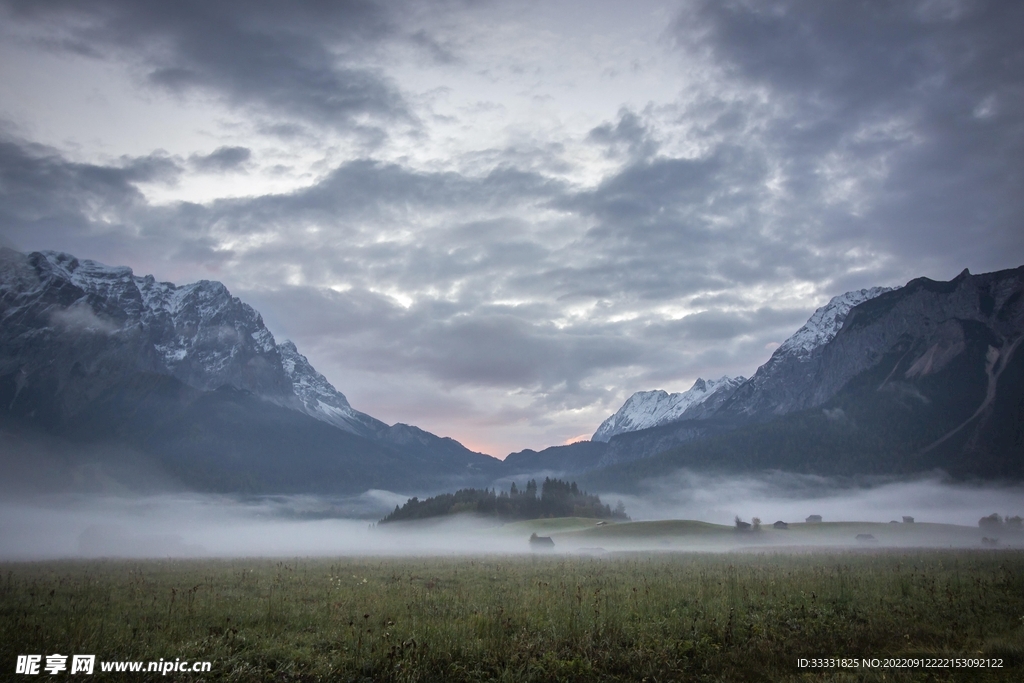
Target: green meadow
column 667, row 616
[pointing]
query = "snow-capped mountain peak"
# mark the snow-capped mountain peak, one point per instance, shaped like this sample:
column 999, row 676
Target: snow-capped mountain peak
column 197, row 333
column 825, row 323
column 778, row 386
column 652, row 408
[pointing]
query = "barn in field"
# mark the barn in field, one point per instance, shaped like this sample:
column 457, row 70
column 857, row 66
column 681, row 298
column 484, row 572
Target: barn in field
column 541, row 542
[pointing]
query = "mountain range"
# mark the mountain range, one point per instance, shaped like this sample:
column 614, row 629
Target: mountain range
column 790, row 363
column 191, row 380
column 100, row 365
column 879, row 381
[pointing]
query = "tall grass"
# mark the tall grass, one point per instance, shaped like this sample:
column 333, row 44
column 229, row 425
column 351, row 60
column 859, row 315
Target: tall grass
column 653, row 617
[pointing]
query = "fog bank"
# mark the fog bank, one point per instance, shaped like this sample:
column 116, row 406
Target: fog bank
column 194, row 525
column 792, row 497
column 199, row 525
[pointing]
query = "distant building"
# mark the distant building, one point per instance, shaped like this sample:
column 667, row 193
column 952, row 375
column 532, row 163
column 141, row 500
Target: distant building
column 541, row 542
column 907, row 519
column 866, row 538
column 814, row 519
column 780, row 525
column 742, row 526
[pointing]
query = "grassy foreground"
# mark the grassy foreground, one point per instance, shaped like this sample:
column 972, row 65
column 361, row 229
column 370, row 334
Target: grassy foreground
column 631, row 617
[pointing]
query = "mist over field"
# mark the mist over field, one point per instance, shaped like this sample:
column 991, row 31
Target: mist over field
column 196, row 525
column 185, row 524
column 792, row 497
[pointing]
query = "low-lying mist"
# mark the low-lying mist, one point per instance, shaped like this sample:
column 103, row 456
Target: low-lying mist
column 197, row 525
column 201, row 525
column 791, row 498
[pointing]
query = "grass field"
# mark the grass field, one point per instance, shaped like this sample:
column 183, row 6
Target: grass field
column 654, row 617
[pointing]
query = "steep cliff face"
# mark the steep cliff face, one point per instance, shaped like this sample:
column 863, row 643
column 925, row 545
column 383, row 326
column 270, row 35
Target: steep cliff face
column 932, row 321
column 917, row 329
column 75, row 328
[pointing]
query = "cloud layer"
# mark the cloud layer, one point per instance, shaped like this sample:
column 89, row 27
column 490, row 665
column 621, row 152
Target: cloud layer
column 498, row 223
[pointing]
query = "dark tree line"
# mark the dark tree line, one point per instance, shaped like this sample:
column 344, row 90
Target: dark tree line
column 994, row 521
column 557, row 499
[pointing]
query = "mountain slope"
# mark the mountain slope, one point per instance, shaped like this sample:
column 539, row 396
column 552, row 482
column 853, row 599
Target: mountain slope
column 928, row 376
column 319, row 397
column 774, row 389
column 653, row 408
column 94, row 353
column 780, row 385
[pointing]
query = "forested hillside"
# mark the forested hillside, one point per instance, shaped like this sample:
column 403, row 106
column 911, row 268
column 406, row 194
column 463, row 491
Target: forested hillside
column 557, row 499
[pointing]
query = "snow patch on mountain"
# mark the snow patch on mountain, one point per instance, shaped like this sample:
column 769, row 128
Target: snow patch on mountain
column 780, row 385
column 652, row 408
column 203, row 336
column 826, row 322
column 198, row 332
column 319, row 397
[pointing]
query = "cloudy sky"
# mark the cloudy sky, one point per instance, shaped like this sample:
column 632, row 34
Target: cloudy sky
column 497, row 220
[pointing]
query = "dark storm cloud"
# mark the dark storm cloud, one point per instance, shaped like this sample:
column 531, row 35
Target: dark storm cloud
column 630, row 137
column 720, row 325
column 828, row 147
column 370, row 191
column 439, row 52
column 49, row 202
column 152, row 168
column 301, row 60
column 899, row 124
column 43, row 192
column 221, row 159
column 667, row 227
column 837, row 144
column 452, row 343
column 353, row 209
column 509, row 351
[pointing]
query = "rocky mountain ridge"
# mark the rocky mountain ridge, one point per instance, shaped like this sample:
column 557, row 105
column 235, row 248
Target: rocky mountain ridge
column 94, row 351
column 189, row 379
column 766, row 393
column 319, row 397
column 646, row 409
column 779, row 386
column 926, row 377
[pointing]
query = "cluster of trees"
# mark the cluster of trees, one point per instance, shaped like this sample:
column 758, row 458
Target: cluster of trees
column 557, row 499
column 994, row 521
column 753, row 525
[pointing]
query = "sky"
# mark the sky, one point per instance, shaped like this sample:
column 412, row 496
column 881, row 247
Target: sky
column 498, row 220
